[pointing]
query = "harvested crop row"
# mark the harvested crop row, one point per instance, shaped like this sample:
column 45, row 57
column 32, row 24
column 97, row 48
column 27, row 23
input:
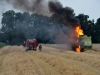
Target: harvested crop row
column 97, row 52
column 64, row 66
column 87, row 58
column 3, row 54
column 43, row 66
column 1, row 61
column 16, row 63
column 5, row 50
column 90, row 59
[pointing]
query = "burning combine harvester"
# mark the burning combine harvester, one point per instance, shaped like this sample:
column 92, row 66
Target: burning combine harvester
column 65, row 16
column 81, row 42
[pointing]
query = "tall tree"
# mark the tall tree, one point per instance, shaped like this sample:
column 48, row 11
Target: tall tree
column 87, row 25
column 8, row 22
column 96, row 33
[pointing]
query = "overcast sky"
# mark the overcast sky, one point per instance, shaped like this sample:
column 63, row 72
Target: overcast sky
column 88, row 7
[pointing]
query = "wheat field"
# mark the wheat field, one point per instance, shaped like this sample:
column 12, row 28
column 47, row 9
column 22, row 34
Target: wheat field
column 14, row 60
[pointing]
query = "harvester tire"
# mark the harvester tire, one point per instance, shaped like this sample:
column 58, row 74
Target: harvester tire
column 82, row 49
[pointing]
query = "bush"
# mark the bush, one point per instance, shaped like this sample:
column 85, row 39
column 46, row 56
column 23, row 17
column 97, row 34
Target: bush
column 2, row 44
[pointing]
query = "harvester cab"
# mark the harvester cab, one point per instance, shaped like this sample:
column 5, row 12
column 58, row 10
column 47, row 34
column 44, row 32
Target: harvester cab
column 31, row 44
column 87, row 42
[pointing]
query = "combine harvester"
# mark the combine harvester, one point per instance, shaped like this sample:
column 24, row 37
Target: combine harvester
column 83, row 42
column 87, row 42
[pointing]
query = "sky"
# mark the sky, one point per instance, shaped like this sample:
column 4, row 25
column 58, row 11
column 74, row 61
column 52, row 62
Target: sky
column 87, row 7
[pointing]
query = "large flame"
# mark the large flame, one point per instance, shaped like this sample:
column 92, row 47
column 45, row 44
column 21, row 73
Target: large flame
column 78, row 49
column 79, row 32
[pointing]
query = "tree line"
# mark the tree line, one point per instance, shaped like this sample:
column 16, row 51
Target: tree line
column 17, row 27
column 90, row 27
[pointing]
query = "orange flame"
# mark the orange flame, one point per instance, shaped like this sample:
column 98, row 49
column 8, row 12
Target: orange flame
column 79, row 32
column 78, row 49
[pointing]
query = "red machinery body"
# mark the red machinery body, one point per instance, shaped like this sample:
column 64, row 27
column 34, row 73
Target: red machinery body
column 31, row 44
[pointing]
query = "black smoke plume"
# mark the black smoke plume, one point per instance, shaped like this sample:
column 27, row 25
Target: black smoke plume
column 53, row 8
column 62, row 16
column 32, row 6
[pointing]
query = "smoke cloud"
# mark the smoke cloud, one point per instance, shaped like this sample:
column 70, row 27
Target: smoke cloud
column 32, row 6
column 45, row 7
column 63, row 16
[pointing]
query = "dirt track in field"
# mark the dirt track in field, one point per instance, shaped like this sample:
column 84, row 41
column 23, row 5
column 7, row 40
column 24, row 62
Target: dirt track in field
column 14, row 60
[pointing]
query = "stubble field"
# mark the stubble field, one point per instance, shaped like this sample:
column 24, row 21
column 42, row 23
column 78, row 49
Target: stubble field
column 52, row 60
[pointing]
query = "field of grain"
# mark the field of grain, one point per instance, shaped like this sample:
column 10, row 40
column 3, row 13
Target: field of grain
column 52, row 60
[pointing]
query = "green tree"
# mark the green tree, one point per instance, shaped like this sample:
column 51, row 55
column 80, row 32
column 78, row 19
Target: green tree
column 87, row 25
column 8, row 21
column 12, row 26
column 97, row 31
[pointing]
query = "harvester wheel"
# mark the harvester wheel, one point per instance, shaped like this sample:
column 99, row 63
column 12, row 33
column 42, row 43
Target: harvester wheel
column 82, row 49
